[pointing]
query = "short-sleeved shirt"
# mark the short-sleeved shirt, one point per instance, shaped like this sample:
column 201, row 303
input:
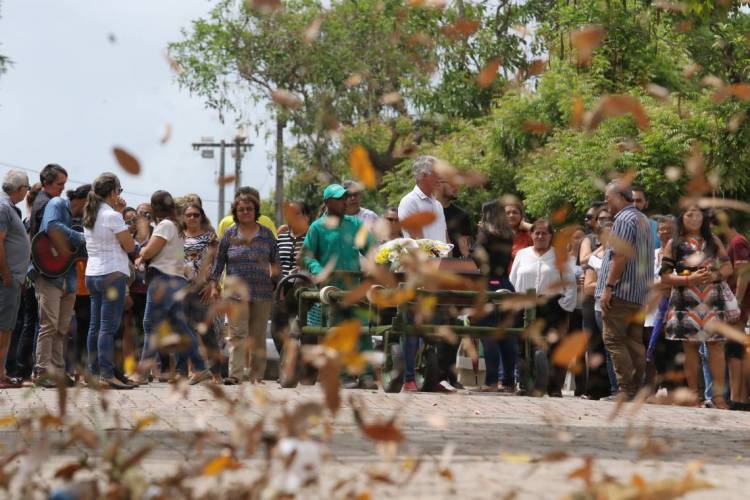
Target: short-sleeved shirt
column 633, row 229
column 195, row 251
column 171, row 259
column 416, row 201
column 17, row 245
column 290, row 248
column 105, row 253
column 365, row 215
column 228, row 221
column 738, row 251
column 251, row 261
column 459, row 224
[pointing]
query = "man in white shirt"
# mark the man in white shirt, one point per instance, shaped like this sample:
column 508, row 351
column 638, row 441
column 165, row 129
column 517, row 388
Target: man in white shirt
column 354, row 204
column 422, row 199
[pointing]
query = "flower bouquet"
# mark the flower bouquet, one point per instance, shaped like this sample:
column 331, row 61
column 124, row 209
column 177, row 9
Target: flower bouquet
column 390, row 253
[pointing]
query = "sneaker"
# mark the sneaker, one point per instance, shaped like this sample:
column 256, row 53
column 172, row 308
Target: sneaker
column 199, row 377
column 409, row 386
column 350, row 383
column 368, row 384
column 113, row 383
column 445, row 387
column 457, row 385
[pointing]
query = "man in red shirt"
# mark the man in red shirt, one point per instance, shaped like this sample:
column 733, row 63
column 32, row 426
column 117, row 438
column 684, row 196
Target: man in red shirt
column 738, row 249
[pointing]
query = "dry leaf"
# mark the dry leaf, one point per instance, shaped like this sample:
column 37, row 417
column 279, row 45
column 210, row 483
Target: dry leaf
column 668, row 6
column 586, row 40
column 379, row 431
column 361, row 167
column 294, row 218
column 658, row 92
column 612, row 106
column 391, row 98
column 329, row 376
column 167, row 134
column 576, row 116
column 728, row 331
column 584, row 472
column 7, row 420
column 285, row 99
column 312, row 31
column 66, row 472
column 488, row 74
column 264, row 6
column 227, row 179
column 536, row 67
column 353, row 80
column 220, row 464
column 386, row 298
column 417, row 221
column 535, row 127
column 571, row 348
column 357, row 294
column 461, row 28
column 343, row 338
column 128, row 162
column 739, row 90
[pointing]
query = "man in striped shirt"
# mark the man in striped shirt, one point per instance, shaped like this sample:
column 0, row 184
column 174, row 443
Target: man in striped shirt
column 624, row 280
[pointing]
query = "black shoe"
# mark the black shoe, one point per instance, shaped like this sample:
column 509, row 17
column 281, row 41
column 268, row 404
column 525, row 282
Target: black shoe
column 368, row 383
column 113, row 383
column 45, row 382
column 458, row 385
column 352, row 383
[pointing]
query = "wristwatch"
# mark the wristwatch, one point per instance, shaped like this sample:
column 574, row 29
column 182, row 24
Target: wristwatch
column 610, row 286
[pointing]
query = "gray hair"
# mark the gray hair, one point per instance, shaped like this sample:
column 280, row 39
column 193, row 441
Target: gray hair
column 423, row 166
column 623, row 190
column 14, row 180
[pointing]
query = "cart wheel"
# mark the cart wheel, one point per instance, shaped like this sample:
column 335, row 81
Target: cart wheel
column 428, row 367
column 393, row 369
column 290, row 381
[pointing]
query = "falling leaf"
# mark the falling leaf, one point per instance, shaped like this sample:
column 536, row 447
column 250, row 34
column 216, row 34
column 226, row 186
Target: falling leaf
column 736, row 121
column 585, row 41
column 227, row 179
column 353, row 80
column 461, row 28
column 144, row 422
column 515, row 458
column 130, row 365
column 728, row 331
column 387, row 298
column 488, row 74
column 313, row 30
column 417, row 221
column 390, row 99
column 173, row 64
column 584, row 472
column 379, row 431
column 673, row 173
column 612, row 106
column 535, row 127
column 294, row 218
column 7, row 420
column 712, row 81
column 576, row 117
column 285, row 99
column 220, row 464
column 329, row 376
column 66, row 472
column 739, row 90
column 362, row 168
column 356, row 294
column 668, row 6
column 128, row 162
column 167, row 134
column 571, row 348
column 658, row 92
column 264, row 6
column 343, row 338
column 536, row 67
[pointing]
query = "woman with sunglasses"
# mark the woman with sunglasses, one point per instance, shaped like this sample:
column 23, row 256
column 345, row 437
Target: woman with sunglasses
column 200, row 248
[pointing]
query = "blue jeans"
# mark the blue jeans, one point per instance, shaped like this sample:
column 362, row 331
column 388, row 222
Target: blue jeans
column 411, row 345
column 164, row 303
column 107, row 294
column 708, row 393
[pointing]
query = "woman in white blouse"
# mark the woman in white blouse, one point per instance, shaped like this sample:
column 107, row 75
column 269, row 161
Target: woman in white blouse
column 535, row 269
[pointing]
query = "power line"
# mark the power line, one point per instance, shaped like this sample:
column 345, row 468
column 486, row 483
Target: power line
column 79, row 182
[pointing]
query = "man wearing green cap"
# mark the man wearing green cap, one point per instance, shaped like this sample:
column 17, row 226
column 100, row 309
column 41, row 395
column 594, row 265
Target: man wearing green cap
column 331, row 238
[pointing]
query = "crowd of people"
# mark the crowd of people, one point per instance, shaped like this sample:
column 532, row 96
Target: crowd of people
column 161, row 294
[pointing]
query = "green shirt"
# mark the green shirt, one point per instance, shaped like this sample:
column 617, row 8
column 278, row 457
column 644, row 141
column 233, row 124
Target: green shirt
column 324, row 244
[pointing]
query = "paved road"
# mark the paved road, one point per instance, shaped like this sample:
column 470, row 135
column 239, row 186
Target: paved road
column 502, row 446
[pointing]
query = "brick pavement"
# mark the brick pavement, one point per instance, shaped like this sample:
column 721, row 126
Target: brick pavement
column 494, row 438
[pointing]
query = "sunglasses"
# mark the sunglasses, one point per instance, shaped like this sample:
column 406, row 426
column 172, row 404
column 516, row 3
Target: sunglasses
column 392, row 219
column 192, row 216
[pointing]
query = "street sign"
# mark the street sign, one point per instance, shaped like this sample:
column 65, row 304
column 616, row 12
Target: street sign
column 207, row 153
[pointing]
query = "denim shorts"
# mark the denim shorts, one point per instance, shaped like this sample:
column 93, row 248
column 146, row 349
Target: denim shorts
column 10, row 300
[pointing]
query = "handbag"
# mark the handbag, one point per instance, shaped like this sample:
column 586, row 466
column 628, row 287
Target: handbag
column 731, row 306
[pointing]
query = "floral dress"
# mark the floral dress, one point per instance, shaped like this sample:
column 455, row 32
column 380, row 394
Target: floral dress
column 692, row 307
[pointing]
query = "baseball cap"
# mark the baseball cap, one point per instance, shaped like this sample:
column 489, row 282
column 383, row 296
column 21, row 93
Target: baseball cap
column 334, row 191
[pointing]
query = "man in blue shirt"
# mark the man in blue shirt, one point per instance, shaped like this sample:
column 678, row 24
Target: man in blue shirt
column 56, row 296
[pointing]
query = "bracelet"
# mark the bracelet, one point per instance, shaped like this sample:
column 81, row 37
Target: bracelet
column 610, row 286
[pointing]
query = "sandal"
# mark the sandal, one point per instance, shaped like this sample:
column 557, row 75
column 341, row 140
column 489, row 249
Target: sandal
column 720, row 403
column 10, row 383
column 231, row 381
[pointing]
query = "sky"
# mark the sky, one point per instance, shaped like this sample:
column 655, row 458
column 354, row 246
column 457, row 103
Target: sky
column 72, row 94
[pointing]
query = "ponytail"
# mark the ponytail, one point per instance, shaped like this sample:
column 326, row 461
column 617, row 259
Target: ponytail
column 103, row 186
column 90, row 209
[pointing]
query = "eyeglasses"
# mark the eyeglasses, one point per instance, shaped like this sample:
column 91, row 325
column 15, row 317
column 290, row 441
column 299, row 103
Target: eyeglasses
column 245, row 210
column 130, row 222
column 193, row 216
column 392, row 219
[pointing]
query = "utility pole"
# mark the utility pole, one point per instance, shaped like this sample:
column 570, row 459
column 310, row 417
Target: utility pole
column 207, row 146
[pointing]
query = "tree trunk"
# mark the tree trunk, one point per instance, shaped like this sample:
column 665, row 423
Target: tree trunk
column 279, row 194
